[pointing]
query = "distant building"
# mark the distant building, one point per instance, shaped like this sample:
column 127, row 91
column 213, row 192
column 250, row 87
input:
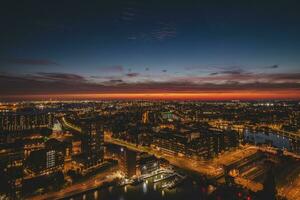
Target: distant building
column 169, row 116
column 57, row 127
column 145, row 117
column 76, row 147
column 27, row 120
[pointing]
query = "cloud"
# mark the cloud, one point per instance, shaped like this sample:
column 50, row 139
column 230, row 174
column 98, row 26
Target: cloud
column 192, row 68
column 107, row 83
column 29, row 61
column 164, row 31
column 284, row 77
column 272, row 67
column 164, row 70
column 241, row 77
column 230, row 72
column 65, row 83
column 131, row 38
column 214, row 73
column 127, row 18
column 116, row 81
column 213, row 68
column 115, row 68
column 57, row 77
column 129, row 12
column 233, row 72
column 156, row 32
column 132, row 74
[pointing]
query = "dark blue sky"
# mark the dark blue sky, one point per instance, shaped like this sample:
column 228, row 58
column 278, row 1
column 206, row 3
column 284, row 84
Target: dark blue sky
column 136, row 42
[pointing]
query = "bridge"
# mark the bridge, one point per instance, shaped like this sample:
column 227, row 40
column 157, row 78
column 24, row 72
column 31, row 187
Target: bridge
column 278, row 131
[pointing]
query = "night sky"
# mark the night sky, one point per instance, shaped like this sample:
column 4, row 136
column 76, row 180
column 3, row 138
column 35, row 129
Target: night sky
column 150, row 49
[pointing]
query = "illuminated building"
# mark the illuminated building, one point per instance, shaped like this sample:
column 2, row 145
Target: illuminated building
column 11, row 166
column 147, row 164
column 33, row 144
column 57, row 127
column 189, row 131
column 128, row 162
column 50, row 158
column 145, row 117
column 19, row 121
column 204, row 144
column 170, row 143
column 47, row 160
column 92, row 144
column 169, row 116
column 76, row 147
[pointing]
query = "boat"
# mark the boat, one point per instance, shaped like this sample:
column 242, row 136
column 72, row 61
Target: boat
column 137, row 181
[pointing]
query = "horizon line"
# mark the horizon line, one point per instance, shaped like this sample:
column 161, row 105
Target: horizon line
column 208, row 96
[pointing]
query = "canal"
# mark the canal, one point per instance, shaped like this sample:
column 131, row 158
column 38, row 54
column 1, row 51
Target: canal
column 147, row 190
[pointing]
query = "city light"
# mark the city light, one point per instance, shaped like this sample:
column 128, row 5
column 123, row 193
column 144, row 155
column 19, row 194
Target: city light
column 150, row 99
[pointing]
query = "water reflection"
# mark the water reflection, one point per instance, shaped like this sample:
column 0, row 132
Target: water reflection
column 144, row 188
column 96, row 194
column 145, row 191
column 270, row 138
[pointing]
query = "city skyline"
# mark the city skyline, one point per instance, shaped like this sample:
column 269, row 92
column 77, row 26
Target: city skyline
column 150, row 149
column 150, row 99
column 198, row 50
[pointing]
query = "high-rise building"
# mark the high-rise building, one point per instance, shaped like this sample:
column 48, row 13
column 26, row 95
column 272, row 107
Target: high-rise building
column 128, row 162
column 92, row 143
column 50, row 158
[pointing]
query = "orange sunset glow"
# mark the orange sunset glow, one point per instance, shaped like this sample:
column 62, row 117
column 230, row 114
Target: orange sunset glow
column 240, row 95
column 150, row 99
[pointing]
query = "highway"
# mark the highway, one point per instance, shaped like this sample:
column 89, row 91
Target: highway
column 69, row 125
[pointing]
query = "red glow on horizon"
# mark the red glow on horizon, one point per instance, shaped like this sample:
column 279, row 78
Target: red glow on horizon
column 238, row 95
